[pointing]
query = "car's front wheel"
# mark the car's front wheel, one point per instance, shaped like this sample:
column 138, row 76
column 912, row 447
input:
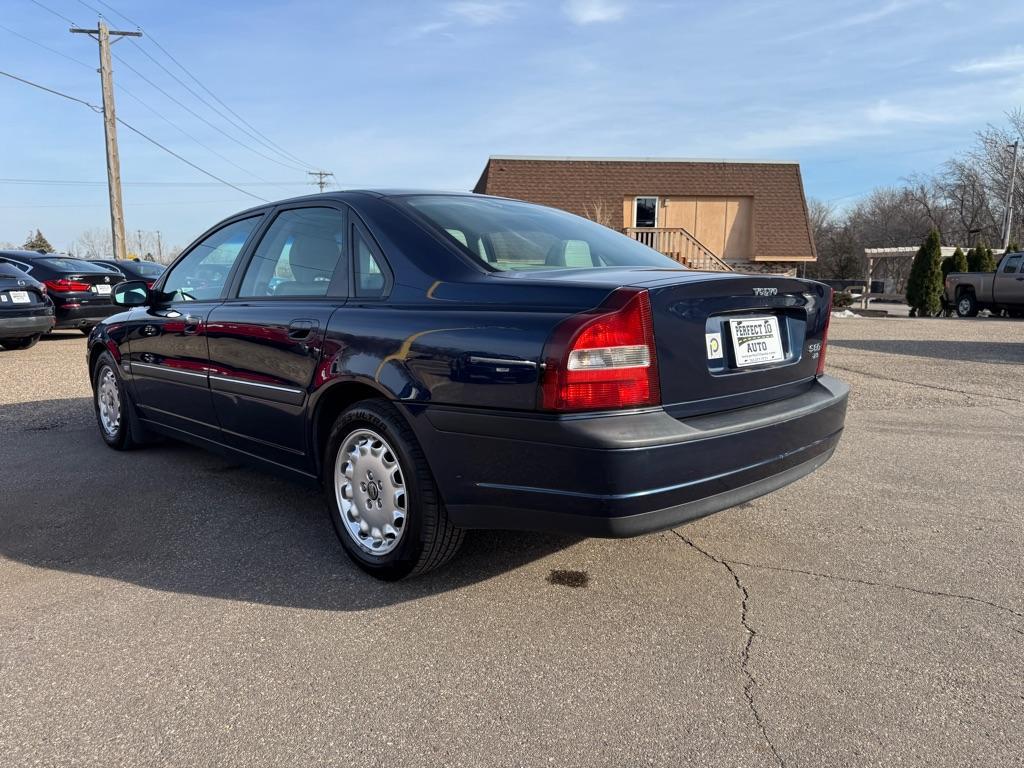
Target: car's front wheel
column 22, row 343
column 111, row 404
column 382, row 497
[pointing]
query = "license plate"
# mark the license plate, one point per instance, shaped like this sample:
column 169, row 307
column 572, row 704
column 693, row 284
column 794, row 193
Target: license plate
column 756, row 340
column 102, row 290
column 20, row 297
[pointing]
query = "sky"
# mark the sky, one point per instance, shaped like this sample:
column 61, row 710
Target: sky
column 419, row 94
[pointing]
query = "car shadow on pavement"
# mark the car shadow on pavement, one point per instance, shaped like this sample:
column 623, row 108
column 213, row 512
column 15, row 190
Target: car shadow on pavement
column 176, row 518
column 1008, row 353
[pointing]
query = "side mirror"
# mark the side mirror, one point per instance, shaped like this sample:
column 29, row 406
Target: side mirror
column 131, row 293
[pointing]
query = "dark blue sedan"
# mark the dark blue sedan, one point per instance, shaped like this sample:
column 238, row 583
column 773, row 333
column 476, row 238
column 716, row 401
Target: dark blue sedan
column 439, row 362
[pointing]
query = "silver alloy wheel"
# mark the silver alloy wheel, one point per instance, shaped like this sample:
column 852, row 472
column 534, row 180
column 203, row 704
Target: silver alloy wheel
column 370, row 487
column 108, row 399
column 964, row 306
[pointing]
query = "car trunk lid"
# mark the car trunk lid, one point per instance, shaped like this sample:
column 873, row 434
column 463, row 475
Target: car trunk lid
column 728, row 341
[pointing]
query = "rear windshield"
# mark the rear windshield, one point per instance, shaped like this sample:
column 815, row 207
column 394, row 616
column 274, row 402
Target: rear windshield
column 507, row 235
column 60, row 264
column 145, row 268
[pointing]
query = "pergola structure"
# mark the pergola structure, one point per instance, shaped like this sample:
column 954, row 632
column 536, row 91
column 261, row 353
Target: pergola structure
column 873, row 255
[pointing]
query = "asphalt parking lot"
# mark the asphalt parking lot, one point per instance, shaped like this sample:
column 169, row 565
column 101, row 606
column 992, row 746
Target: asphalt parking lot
column 168, row 607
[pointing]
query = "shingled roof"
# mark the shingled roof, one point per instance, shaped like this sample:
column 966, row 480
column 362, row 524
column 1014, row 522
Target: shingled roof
column 781, row 229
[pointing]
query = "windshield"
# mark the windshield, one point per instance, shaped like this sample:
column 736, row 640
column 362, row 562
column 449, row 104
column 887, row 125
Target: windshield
column 509, row 235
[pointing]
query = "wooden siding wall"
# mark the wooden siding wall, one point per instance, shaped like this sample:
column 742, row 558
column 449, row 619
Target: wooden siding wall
column 722, row 224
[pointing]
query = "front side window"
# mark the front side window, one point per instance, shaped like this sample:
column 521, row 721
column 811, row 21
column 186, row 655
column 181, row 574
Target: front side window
column 1012, row 263
column 646, row 212
column 299, row 255
column 201, row 275
column 509, row 235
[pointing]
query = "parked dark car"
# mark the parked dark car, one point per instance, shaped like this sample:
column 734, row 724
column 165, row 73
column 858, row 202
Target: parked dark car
column 148, row 271
column 441, row 362
column 25, row 311
column 80, row 290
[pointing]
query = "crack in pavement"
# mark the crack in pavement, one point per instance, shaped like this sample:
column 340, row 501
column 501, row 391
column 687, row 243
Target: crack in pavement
column 867, row 583
column 872, row 375
column 751, row 683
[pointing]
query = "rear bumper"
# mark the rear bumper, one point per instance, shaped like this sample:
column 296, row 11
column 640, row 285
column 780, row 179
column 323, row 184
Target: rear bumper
column 83, row 314
column 20, row 327
column 623, row 474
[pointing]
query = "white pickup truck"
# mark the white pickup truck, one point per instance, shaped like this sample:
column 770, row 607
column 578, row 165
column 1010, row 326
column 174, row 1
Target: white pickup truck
column 971, row 292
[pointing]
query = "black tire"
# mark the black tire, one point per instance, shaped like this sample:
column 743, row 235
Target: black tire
column 120, row 439
column 967, row 305
column 1017, row 313
column 22, row 343
column 428, row 539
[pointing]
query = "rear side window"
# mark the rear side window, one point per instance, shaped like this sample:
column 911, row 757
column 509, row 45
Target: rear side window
column 299, row 256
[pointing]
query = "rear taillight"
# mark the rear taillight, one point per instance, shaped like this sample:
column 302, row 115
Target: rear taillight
column 64, row 285
column 824, row 334
column 604, row 358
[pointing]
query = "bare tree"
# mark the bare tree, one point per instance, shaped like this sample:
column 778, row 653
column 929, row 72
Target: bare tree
column 598, row 212
column 94, row 244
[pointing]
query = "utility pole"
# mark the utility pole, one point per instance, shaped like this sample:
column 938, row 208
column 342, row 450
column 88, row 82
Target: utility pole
column 102, row 35
column 159, row 248
column 1008, row 213
column 321, row 178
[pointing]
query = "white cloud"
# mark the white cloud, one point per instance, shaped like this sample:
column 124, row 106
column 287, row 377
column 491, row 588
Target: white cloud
column 591, row 11
column 1009, row 60
column 481, row 12
column 885, row 112
column 853, row 20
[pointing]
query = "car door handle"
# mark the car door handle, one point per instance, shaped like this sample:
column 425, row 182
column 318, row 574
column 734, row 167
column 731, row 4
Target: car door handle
column 300, row 330
column 192, row 323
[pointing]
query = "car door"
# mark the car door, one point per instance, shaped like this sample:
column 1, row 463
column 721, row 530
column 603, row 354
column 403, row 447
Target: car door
column 266, row 340
column 167, row 340
column 1009, row 281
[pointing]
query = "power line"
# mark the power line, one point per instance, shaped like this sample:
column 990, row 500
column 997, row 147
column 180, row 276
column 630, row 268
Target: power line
column 93, row 107
column 58, row 15
column 265, row 140
column 156, row 143
column 79, row 62
column 200, row 117
column 128, row 93
column 76, row 182
column 210, row 106
column 135, row 130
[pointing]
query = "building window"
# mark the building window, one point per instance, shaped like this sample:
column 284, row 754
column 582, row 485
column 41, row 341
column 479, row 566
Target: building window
column 646, row 212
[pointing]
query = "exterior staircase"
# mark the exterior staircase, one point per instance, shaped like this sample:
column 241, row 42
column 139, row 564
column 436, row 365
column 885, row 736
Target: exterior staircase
column 678, row 244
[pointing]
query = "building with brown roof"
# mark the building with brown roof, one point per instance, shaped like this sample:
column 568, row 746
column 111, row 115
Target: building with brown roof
column 708, row 214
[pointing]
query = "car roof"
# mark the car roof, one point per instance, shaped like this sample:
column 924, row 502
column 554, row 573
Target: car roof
column 347, row 195
column 20, row 254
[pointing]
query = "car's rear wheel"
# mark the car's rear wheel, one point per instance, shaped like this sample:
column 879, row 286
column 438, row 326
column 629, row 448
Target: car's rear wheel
column 382, row 497
column 967, row 305
column 22, row 343
column 111, row 404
